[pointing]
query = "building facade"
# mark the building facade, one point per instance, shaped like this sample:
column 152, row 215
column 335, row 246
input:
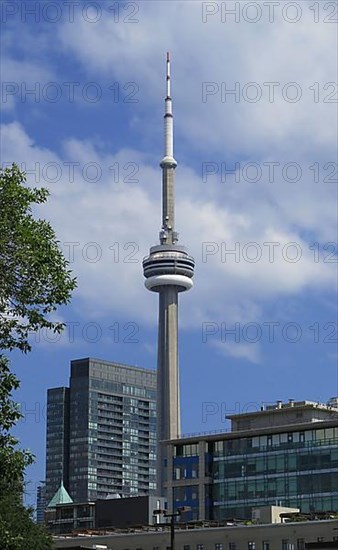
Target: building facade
column 101, row 432
column 286, row 454
column 283, row 536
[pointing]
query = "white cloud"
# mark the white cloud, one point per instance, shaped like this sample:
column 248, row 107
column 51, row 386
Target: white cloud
column 216, row 52
column 251, row 352
column 108, row 226
column 123, row 217
column 23, row 81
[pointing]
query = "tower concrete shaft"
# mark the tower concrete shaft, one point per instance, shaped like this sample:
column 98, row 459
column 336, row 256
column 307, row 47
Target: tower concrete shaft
column 168, row 413
column 168, row 270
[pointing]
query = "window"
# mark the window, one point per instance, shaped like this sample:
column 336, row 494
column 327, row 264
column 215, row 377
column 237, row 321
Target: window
column 218, row 546
column 283, row 438
column 232, row 546
column 275, row 440
column 300, row 544
column 186, row 547
column 251, row 545
column 265, row 545
column 199, row 547
column 219, row 446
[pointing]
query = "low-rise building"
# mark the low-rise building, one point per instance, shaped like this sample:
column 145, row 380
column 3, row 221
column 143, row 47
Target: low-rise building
column 285, row 454
column 278, row 536
column 63, row 516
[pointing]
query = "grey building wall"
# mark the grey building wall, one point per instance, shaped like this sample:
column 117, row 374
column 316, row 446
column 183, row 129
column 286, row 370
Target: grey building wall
column 127, row 512
column 282, row 414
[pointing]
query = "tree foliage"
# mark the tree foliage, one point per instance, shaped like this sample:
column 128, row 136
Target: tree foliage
column 12, row 460
column 34, row 279
column 17, row 528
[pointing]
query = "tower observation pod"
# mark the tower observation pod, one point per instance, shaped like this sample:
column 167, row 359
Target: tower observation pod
column 168, row 270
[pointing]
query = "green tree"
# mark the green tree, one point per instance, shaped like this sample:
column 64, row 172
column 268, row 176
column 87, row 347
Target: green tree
column 17, row 528
column 34, row 281
column 33, row 271
column 12, row 461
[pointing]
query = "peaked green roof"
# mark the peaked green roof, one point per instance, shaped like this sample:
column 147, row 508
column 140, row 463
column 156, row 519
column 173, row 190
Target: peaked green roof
column 61, row 497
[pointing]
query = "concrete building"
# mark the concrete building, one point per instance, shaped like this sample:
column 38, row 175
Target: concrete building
column 297, row 535
column 61, row 519
column 101, row 432
column 321, row 545
column 168, row 270
column 285, row 454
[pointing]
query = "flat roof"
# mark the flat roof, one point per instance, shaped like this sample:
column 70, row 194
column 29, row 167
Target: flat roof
column 153, row 530
column 285, row 407
column 115, row 363
column 301, row 426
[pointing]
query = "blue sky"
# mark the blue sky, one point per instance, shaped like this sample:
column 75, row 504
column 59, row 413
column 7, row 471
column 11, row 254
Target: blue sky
column 92, row 131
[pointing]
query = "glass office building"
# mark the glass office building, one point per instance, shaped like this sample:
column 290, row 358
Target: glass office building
column 287, row 457
column 111, row 432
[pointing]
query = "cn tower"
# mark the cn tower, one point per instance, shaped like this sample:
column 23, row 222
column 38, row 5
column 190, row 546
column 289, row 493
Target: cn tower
column 168, row 270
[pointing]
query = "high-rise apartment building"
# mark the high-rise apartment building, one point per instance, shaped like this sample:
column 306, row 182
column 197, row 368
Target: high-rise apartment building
column 101, row 432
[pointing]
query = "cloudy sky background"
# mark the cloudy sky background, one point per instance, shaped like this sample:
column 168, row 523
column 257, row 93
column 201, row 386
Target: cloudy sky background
column 92, row 131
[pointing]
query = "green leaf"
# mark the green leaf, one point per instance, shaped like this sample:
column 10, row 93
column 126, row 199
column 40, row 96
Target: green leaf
column 34, row 275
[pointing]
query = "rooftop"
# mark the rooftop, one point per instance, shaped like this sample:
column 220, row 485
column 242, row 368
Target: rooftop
column 331, row 406
column 61, row 497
